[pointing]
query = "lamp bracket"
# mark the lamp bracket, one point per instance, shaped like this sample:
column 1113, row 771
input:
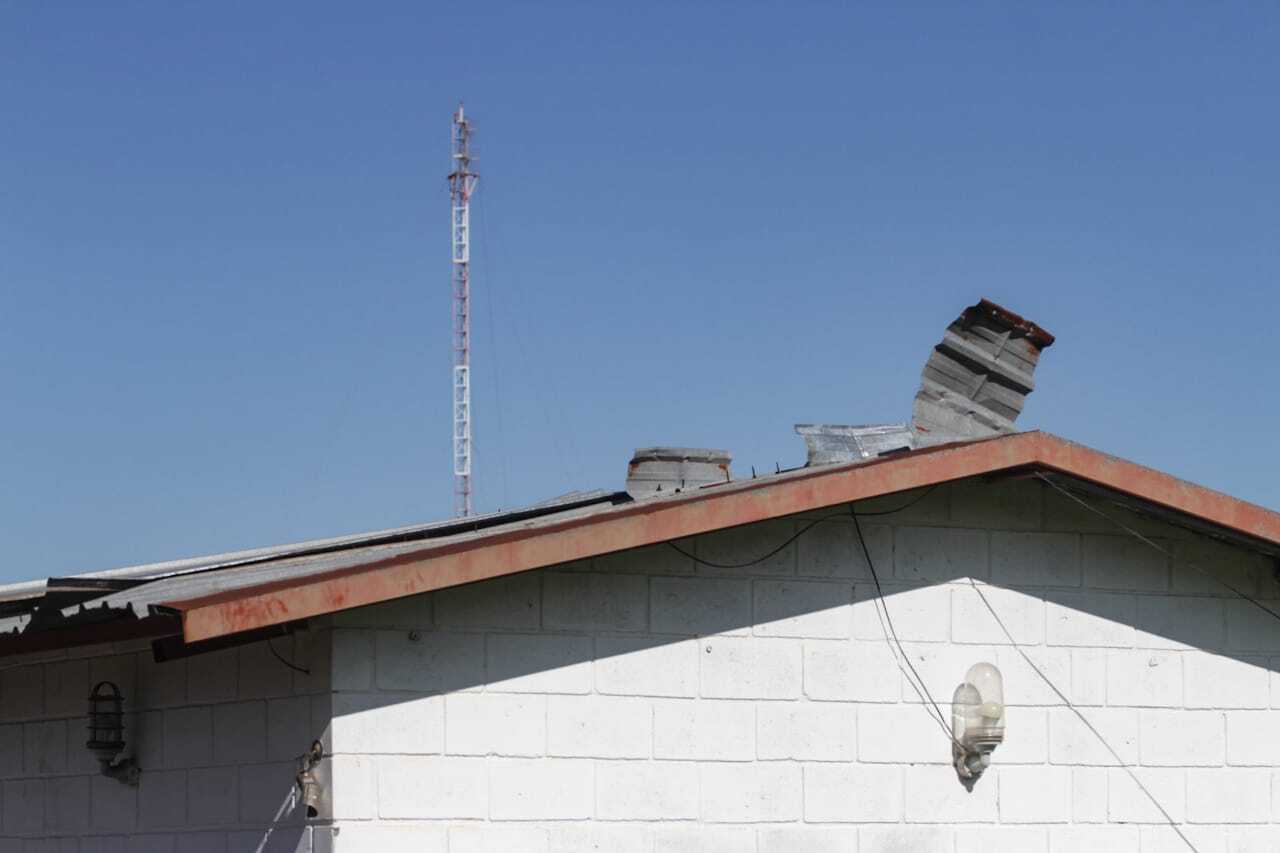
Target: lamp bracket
column 126, row 772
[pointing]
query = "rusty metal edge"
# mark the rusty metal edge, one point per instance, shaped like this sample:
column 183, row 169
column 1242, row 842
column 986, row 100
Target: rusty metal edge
column 649, row 522
column 1035, row 333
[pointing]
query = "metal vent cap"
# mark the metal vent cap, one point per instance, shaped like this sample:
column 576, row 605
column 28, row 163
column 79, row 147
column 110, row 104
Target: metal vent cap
column 664, row 470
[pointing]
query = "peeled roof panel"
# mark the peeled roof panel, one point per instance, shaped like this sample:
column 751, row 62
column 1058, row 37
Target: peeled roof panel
column 977, row 378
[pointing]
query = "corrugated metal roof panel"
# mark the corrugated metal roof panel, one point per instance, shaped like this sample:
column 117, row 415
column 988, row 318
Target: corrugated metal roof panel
column 138, row 590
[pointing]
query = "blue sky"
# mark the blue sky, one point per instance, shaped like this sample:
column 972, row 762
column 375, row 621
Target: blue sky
column 224, row 295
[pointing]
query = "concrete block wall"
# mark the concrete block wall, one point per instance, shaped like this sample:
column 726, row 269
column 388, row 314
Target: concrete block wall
column 644, row 702
column 215, row 736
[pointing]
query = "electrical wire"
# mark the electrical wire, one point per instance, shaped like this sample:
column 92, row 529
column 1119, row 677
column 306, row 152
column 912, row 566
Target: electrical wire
column 900, row 656
column 757, row 560
column 778, row 550
column 887, row 628
column 1115, row 755
column 905, row 506
column 290, row 664
column 1165, row 551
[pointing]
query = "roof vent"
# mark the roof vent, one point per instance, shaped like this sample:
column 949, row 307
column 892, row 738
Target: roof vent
column 663, row 470
column 977, row 379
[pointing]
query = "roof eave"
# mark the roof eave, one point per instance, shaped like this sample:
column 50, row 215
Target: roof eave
column 650, row 522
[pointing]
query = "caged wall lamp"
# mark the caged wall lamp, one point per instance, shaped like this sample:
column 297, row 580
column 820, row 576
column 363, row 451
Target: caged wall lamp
column 977, row 721
column 106, row 733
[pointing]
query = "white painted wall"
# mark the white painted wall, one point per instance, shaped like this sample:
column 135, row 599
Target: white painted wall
column 215, row 736
column 640, row 702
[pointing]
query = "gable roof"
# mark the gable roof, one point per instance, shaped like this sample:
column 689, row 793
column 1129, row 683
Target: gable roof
column 633, row 525
column 296, row 586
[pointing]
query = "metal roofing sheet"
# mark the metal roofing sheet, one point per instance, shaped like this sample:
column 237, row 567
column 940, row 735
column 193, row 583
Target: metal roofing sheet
column 436, row 566
column 219, row 596
column 140, row 589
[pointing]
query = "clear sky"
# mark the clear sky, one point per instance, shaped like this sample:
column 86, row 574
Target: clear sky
column 224, row 274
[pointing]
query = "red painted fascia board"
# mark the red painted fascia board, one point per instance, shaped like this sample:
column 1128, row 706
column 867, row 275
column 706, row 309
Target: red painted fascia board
column 643, row 523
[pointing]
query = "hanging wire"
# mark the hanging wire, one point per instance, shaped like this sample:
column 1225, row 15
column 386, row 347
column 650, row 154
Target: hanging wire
column 915, row 500
column 887, row 628
column 1115, row 755
column 900, row 656
column 1127, row 529
column 290, row 664
column 756, row 561
column 803, row 530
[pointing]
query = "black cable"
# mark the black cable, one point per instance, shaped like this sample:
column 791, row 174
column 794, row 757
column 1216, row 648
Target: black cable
column 292, row 666
column 906, row 505
column 910, row 673
column 921, row 689
column 802, row 532
column 1115, row 755
column 774, row 552
column 1166, row 552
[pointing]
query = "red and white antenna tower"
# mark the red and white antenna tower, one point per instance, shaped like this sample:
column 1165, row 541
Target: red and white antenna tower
column 462, row 183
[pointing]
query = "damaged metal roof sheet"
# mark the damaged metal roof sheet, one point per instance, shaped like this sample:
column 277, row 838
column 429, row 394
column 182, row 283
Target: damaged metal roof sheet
column 977, row 379
column 829, row 444
column 130, row 602
column 973, row 385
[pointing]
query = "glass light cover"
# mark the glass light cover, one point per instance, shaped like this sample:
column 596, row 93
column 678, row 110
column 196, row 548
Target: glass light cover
column 988, row 720
column 964, row 709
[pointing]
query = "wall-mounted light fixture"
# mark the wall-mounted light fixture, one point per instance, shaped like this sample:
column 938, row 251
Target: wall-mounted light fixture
column 308, row 787
column 106, row 733
column 977, row 721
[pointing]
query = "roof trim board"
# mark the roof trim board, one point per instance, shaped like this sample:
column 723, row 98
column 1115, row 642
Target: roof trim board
column 634, row 525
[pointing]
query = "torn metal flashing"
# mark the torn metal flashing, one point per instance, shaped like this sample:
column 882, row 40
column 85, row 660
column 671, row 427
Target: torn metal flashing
column 831, row 444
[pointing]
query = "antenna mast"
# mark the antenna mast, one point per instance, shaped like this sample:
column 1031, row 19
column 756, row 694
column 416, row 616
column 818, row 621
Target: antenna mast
column 462, row 182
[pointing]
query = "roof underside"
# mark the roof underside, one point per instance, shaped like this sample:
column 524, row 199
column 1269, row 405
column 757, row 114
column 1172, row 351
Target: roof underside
column 204, row 600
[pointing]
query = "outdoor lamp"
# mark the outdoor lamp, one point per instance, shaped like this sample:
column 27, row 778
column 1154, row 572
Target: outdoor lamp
column 308, row 785
column 977, row 720
column 106, row 732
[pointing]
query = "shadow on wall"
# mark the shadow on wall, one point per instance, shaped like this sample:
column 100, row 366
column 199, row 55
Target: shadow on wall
column 1107, row 618
column 215, row 735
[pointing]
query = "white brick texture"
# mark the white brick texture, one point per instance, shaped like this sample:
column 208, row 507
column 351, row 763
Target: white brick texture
column 541, row 789
column 646, row 703
column 201, row 731
column 644, row 790
column 806, row 731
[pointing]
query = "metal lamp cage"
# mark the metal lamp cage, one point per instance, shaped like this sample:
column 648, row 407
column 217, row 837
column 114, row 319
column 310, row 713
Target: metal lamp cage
column 106, row 721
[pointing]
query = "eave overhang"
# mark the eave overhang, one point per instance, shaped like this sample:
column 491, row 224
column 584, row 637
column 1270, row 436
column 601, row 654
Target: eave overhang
column 648, row 522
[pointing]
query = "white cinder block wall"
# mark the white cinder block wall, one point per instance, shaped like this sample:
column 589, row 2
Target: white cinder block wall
column 215, row 736
column 642, row 702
